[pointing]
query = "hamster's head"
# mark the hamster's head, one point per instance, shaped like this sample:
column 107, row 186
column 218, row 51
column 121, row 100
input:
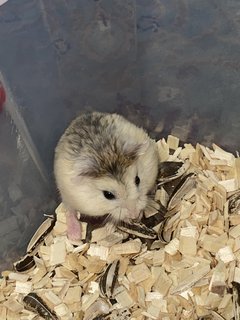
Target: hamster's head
column 119, row 189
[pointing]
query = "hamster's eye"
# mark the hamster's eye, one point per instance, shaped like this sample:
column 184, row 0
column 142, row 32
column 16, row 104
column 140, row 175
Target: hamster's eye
column 137, row 180
column 108, row 195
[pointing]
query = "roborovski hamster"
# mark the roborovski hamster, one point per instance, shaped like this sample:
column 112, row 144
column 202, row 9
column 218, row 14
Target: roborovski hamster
column 104, row 165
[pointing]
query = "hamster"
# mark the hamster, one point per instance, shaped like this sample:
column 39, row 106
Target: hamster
column 104, row 165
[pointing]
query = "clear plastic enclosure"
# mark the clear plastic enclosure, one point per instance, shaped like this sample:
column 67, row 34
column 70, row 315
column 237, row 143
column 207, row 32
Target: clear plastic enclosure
column 171, row 66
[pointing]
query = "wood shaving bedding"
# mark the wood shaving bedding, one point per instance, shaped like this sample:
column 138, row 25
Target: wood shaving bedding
column 181, row 262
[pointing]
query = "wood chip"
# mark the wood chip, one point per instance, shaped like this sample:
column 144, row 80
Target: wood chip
column 172, row 142
column 13, row 305
column 58, row 252
column 225, row 254
column 173, row 247
column 129, row 247
column 98, row 251
column 124, row 299
column 188, row 241
column 139, row 273
column 189, row 268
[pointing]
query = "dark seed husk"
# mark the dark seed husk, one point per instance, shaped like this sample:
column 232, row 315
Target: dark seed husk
column 236, row 287
column 154, row 220
column 115, row 275
column 187, row 183
column 119, row 314
column 138, row 229
column 170, row 186
column 44, row 229
column 161, row 235
column 234, row 203
column 25, row 264
column 34, row 303
column 170, row 170
column 217, row 316
column 103, row 281
column 108, row 279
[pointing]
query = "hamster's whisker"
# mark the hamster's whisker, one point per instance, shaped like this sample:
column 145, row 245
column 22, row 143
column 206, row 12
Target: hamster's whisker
column 151, row 196
column 110, row 227
column 120, row 214
column 106, row 220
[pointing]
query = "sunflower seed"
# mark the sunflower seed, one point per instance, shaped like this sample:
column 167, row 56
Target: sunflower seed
column 108, row 279
column 34, row 303
column 171, row 170
column 164, row 237
column 25, row 264
column 234, row 203
column 138, row 229
column 186, row 184
column 41, row 233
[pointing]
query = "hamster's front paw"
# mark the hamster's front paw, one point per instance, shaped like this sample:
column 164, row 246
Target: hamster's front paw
column 74, row 231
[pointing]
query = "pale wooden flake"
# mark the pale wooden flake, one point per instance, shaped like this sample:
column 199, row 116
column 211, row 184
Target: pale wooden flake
column 163, row 283
column 163, row 150
column 129, row 247
column 101, row 233
column 98, row 251
column 173, row 247
column 58, row 252
column 13, row 305
column 23, row 287
column 139, row 273
column 60, row 228
column 225, row 254
column 62, row 310
column 237, row 171
column 73, row 294
column 188, row 241
column 200, row 272
column 158, row 257
column 213, row 243
column 53, row 298
column 174, row 156
column 235, row 231
column 172, row 142
column 237, row 275
column 150, row 296
column 18, row 276
column 124, row 299
column 230, row 185
column 219, row 153
column 111, row 239
column 218, row 280
column 89, row 299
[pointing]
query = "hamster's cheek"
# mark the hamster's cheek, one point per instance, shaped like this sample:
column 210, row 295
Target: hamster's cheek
column 148, row 168
column 90, row 201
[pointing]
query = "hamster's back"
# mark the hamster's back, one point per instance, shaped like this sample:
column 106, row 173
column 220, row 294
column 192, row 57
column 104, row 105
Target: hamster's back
column 104, row 141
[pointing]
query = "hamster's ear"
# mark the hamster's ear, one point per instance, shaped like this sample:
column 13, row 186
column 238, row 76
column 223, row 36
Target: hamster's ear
column 133, row 149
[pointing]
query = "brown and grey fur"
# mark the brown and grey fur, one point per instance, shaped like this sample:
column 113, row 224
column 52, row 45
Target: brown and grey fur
column 101, row 151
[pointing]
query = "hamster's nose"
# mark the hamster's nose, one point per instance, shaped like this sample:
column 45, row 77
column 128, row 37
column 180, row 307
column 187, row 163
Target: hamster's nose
column 130, row 205
column 134, row 214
